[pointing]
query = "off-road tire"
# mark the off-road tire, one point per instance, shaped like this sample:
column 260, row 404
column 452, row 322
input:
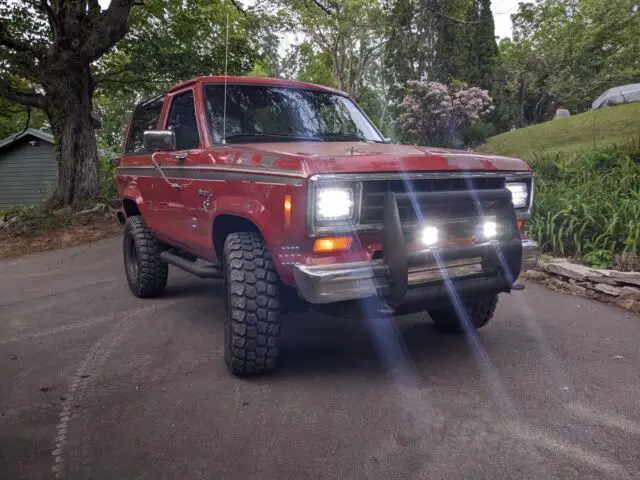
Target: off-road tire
column 479, row 312
column 146, row 273
column 252, row 321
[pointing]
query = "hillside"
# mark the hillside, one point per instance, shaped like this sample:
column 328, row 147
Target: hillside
column 608, row 126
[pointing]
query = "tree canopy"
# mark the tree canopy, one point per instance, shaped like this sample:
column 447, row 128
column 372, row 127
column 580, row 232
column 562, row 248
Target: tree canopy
column 64, row 64
column 565, row 53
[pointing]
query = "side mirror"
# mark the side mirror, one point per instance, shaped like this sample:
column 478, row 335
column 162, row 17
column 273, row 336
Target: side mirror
column 159, row 140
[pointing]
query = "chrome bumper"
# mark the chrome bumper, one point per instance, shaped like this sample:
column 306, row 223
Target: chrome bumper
column 336, row 283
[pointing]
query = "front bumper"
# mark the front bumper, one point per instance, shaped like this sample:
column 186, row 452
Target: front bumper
column 352, row 281
column 427, row 275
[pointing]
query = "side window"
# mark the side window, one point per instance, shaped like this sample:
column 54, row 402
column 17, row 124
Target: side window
column 145, row 117
column 182, row 120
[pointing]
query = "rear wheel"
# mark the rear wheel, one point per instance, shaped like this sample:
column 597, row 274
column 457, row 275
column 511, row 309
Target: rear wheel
column 478, row 312
column 252, row 321
column 146, row 272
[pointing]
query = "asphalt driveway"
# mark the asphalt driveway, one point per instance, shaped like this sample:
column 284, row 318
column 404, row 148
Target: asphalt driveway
column 96, row 384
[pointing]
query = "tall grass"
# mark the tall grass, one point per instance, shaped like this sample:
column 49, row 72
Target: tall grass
column 588, row 205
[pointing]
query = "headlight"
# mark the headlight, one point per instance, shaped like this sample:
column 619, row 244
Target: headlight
column 334, row 204
column 519, row 194
column 429, row 235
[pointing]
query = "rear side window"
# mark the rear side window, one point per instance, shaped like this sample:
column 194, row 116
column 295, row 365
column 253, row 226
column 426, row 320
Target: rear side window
column 182, row 120
column 145, row 117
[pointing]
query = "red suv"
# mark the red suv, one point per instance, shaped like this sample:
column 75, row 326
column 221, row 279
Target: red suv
column 289, row 193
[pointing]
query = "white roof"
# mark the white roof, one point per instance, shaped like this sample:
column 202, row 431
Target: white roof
column 615, row 95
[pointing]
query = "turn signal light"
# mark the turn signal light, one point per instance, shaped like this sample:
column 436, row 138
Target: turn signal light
column 287, row 210
column 331, row 244
column 521, row 225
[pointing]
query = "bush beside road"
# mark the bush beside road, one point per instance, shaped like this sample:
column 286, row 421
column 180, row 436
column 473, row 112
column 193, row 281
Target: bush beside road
column 588, row 207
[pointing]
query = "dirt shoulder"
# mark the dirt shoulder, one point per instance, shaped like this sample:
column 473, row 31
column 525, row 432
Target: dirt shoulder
column 44, row 231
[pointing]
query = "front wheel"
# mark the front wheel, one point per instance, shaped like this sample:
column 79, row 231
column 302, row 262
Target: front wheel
column 146, row 272
column 476, row 313
column 252, row 321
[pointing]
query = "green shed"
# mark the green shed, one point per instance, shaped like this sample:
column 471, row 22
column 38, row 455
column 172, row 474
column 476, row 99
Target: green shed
column 28, row 168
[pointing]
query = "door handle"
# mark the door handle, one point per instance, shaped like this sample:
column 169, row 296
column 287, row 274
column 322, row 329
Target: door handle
column 181, row 157
column 204, row 193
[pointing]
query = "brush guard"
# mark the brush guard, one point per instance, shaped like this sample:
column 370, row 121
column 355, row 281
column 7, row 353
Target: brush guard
column 426, row 275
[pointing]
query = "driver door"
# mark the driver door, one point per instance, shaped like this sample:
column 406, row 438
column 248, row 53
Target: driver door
column 171, row 205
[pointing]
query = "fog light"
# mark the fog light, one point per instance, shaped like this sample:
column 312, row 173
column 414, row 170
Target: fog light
column 490, row 229
column 430, row 236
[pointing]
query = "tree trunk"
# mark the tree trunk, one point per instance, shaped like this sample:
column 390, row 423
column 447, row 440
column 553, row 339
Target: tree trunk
column 69, row 112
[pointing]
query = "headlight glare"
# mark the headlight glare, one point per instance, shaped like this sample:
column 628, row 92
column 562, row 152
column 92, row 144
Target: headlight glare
column 490, row 229
column 519, row 194
column 429, row 235
column 334, row 203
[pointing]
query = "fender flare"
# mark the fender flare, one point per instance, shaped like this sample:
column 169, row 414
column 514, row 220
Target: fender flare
column 132, row 192
column 248, row 209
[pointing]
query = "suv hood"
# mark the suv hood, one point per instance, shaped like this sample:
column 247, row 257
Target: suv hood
column 312, row 158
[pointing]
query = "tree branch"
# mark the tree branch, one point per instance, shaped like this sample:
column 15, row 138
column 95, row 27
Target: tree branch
column 112, row 27
column 21, row 64
column 10, row 42
column 30, row 99
column 369, row 51
column 238, row 7
column 455, row 20
column 54, row 21
column 322, row 7
column 113, row 76
column 94, row 5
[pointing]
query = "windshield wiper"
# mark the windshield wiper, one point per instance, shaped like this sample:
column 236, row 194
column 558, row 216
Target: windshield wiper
column 345, row 137
column 273, row 137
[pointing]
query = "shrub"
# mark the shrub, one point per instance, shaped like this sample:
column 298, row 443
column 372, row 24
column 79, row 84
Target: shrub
column 588, row 206
column 477, row 133
column 432, row 113
column 106, row 171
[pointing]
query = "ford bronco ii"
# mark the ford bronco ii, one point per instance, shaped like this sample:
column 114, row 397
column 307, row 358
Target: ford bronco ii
column 289, row 193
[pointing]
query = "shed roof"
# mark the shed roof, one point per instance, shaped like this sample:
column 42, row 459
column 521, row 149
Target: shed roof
column 29, row 132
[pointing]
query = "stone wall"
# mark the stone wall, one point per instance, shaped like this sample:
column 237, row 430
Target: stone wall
column 610, row 286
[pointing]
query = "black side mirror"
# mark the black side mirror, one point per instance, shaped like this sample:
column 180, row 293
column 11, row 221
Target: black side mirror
column 164, row 140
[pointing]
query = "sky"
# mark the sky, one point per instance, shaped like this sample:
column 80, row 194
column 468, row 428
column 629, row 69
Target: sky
column 502, row 10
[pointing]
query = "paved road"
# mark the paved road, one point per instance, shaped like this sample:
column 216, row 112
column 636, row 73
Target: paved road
column 97, row 384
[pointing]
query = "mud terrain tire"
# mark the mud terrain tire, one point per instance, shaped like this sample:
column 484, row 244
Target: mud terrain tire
column 146, row 272
column 479, row 312
column 252, row 321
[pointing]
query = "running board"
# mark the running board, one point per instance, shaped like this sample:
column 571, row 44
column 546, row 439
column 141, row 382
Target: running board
column 206, row 270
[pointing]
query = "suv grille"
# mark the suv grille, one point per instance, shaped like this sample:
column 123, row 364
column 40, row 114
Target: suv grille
column 373, row 193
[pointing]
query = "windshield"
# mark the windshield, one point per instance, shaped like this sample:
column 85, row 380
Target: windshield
column 257, row 113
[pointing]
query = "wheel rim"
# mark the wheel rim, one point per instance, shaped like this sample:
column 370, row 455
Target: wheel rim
column 131, row 258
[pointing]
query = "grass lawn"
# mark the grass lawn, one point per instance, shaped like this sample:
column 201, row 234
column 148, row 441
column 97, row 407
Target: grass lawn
column 613, row 125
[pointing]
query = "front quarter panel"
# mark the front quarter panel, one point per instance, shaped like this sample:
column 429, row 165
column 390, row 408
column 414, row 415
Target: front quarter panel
column 263, row 204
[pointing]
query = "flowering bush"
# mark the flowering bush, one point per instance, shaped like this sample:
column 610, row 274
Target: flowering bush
column 433, row 114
